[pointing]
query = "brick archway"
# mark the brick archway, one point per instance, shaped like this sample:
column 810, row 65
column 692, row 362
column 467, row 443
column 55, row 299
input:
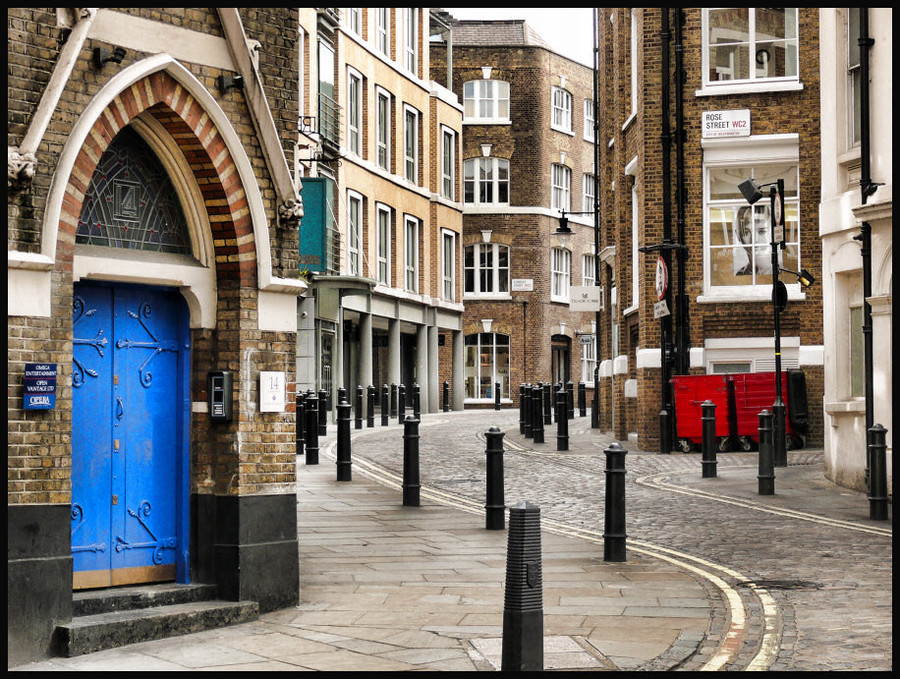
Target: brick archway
column 207, row 156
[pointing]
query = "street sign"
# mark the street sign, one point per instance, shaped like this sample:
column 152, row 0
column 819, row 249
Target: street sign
column 522, row 284
column 584, row 298
column 662, row 278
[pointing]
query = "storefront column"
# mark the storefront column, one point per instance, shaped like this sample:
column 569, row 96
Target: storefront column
column 459, row 371
column 422, row 376
column 434, row 385
column 394, row 375
column 365, row 355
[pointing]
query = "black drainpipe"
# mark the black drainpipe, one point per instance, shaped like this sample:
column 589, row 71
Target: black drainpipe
column 683, row 329
column 667, row 415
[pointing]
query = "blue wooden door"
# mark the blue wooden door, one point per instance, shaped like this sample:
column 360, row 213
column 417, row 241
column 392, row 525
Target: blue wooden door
column 129, row 435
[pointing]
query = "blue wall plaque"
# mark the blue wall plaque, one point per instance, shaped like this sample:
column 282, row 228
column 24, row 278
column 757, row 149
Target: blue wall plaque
column 40, row 386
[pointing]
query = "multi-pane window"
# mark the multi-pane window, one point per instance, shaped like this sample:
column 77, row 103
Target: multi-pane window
column 487, row 365
column 486, row 181
column 588, row 187
column 448, row 163
column 561, row 183
column 354, row 112
column 560, row 273
column 383, row 129
column 588, row 359
column 486, row 269
column 448, row 264
column 561, row 110
column 589, row 120
column 411, row 144
column 411, row 254
column 740, row 234
column 383, row 244
column 747, row 44
column 854, row 77
column 383, row 30
column 411, row 46
column 354, row 233
column 486, row 100
column 588, row 270
column 354, row 19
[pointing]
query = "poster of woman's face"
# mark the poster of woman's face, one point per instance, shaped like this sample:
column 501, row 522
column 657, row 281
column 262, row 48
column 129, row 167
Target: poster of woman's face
column 752, row 232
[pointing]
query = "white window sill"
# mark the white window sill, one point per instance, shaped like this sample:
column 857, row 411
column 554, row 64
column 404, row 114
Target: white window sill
column 749, row 88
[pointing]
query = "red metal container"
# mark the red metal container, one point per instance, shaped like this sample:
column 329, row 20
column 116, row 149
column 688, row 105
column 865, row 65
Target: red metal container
column 690, row 393
column 753, row 393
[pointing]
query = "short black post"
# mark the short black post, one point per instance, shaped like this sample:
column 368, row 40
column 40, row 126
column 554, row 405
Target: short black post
column 555, row 396
column 393, row 399
column 779, row 435
column 401, row 403
column 411, row 483
column 878, row 495
column 385, row 404
column 417, row 404
column 342, row 394
column 323, row 412
column 708, row 428
column 300, row 423
column 358, row 414
column 529, row 413
column 494, row 506
column 614, row 521
column 370, row 406
column 766, row 475
column 562, row 421
column 582, row 400
column 570, row 400
column 522, row 408
column 523, row 605
column 446, row 394
column 537, row 418
column 343, row 441
column 312, row 429
column 548, row 404
column 496, row 396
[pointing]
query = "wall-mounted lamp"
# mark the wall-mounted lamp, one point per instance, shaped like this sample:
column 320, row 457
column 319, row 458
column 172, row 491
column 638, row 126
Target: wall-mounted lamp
column 103, row 56
column 563, row 233
column 229, row 82
column 804, row 277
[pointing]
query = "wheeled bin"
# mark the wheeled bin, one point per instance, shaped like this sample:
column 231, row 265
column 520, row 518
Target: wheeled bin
column 690, row 393
column 754, row 392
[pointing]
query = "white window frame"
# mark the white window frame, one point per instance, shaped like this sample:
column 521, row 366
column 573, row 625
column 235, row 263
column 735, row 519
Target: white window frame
column 560, row 274
column 411, row 253
column 497, row 371
column 589, row 357
column 493, row 274
column 854, row 77
column 588, row 186
column 354, row 19
column 589, row 120
column 448, row 265
column 411, row 119
column 411, row 42
column 477, row 184
column 383, row 129
column 754, row 82
column 754, row 153
column 448, row 162
column 634, row 61
column 560, row 110
column 588, row 269
column 383, row 31
column 561, row 187
column 383, row 227
column 482, row 106
column 355, row 221
column 354, row 114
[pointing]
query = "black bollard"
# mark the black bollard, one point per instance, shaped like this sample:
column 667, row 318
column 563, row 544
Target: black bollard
column 358, row 415
column 393, row 399
column 548, row 404
column 446, row 394
column 370, row 406
column 570, row 400
column 416, row 401
column 614, row 521
column 343, row 441
column 878, row 493
column 595, row 405
column 401, row 403
column 385, row 404
column 496, row 396
column 522, row 408
column 312, row 429
column 779, row 435
column 494, row 507
column 529, row 412
column 323, row 412
column 411, row 483
column 554, row 397
column 766, row 475
column 523, row 606
column 300, row 414
column 562, row 421
column 708, row 428
column 537, row 418
column 582, row 400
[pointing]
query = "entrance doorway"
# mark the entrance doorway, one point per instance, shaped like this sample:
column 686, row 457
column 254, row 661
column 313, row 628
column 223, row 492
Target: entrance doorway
column 130, row 434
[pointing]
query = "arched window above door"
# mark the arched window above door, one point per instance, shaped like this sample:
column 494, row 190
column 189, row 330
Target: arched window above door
column 131, row 203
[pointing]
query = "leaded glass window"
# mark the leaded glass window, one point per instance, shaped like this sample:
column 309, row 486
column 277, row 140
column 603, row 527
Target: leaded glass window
column 131, row 202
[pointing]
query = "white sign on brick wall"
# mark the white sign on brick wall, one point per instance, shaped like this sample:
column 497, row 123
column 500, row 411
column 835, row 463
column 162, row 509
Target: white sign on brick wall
column 726, row 123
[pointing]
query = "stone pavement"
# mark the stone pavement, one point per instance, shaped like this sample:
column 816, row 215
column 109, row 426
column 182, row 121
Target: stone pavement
column 385, row 587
